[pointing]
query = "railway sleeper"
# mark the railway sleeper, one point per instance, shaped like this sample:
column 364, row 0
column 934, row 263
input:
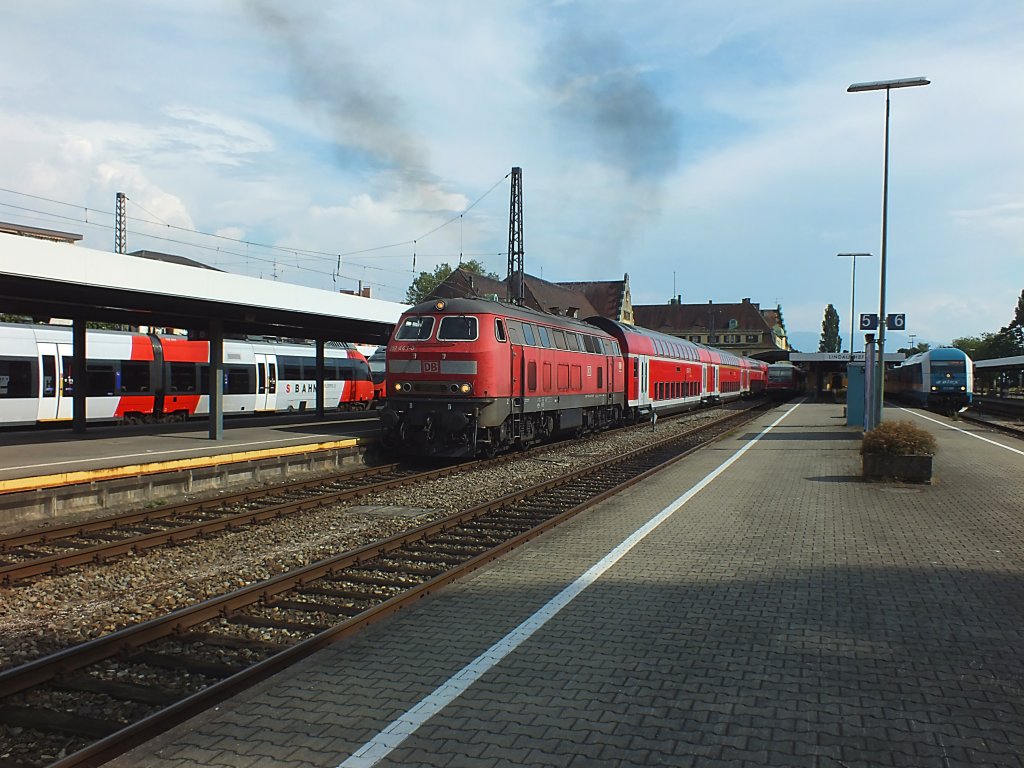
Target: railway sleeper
column 184, row 663
column 351, row 595
column 265, row 622
column 300, row 605
column 375, row 582
column 230, row 641
column 161, row 697
column 48, row 721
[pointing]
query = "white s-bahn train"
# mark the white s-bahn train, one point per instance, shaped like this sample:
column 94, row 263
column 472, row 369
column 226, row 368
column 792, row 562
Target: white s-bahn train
column 135, row 377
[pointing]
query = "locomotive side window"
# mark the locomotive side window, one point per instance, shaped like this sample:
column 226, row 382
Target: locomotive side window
column 545, row 338
column 16, row 378
column 574, row 342
column 416, row 329
column 528, row 335
column 515, row 331
column 588, row 343
column 560, row 339
column 457, row 328
column 499, row 330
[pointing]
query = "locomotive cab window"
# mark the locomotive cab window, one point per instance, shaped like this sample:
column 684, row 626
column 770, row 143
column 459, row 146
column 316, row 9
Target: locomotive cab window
column 499, row 330
column 545, row 338
column 457, row 328
column 416, row 329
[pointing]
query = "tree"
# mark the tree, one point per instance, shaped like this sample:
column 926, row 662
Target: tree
column 921, row 346
column 830, row 341
column 990, row 345
column 426, row 282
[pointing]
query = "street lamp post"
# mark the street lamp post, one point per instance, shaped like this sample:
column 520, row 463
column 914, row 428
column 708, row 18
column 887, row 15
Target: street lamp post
column 853, row 292
column 886, row 85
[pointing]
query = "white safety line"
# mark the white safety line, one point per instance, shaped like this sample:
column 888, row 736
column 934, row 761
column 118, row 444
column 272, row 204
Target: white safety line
column 381, row 745
column 970, row 434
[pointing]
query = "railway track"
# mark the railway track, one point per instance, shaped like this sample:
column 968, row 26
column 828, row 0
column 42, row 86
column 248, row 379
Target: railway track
column 85, row 704
column 55, row 549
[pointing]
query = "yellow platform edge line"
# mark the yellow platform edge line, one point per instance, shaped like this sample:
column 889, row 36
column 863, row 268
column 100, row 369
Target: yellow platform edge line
column 40, row 482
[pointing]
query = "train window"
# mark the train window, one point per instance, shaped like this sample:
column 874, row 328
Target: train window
column 49, row 376
column 346, row 370
column 457, row 328
column 134, row 376
column 239, row 380
column 68, row 382
column 16, row 378
column 291, row 367
column 183, row 377
column 574, row 341
column 560, row 339
column 615, row 348
column 588, row 343
column 531, row 375
column 100, row 380
column 416, row 328
column 528, row 335
column 515, row 331
column 499, row 330
column 545, row 338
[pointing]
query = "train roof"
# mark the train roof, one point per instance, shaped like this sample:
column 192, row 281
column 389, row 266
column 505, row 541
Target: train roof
column 472, row 306
column 939, row 353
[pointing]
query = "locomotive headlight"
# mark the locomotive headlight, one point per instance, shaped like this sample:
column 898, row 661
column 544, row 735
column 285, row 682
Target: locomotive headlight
column 963, row 389
column 934, row 388
column 465, row 389
column 398, row 387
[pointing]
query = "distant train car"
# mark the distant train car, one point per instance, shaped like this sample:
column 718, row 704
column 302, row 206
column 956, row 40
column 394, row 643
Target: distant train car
column 786, row 380
column 134, row 377
column 940, row 379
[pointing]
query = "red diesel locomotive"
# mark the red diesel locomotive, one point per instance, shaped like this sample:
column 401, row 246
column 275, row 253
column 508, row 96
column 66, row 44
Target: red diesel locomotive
column 469, row 376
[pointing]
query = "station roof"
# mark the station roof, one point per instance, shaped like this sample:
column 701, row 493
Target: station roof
column 47, row 279
column 841, row 357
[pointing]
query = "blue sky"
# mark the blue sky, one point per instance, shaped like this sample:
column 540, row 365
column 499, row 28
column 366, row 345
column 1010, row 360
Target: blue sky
column 708, row 149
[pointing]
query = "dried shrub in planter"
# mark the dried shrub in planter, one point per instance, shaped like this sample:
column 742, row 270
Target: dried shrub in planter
column 898, row 438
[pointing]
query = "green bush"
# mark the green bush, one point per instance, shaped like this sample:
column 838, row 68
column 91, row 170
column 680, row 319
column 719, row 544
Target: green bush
column 898, row 438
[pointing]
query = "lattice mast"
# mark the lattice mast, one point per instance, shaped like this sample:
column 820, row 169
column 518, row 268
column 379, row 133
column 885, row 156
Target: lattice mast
column 120, row 225
column 515, row 239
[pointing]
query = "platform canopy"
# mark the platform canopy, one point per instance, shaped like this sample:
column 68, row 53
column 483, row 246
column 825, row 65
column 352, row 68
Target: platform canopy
column 60, row 280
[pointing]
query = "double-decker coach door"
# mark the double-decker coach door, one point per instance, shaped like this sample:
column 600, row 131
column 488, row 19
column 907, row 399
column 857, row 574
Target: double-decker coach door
column 266, row 382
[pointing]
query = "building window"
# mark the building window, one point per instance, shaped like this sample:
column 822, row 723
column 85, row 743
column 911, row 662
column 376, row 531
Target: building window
column 752, row 338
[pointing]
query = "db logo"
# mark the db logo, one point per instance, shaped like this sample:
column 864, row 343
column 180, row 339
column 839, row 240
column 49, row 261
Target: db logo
column 431, row 366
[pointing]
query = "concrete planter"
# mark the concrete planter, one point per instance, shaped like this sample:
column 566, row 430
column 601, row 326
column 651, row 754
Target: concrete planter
column 908, row 469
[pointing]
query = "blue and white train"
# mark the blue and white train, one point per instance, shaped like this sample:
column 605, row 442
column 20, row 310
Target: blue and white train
column 940, row 379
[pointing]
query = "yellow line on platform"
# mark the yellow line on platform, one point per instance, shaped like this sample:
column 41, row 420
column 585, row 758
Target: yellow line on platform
column 113, row 473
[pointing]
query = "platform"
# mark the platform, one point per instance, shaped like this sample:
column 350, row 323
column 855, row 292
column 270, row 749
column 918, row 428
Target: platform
column 48, row 475
column 780, row 613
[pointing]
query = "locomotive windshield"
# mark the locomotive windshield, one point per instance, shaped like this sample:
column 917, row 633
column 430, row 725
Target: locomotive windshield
column 457, row 328
column 417, row 328
column 949, row 366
